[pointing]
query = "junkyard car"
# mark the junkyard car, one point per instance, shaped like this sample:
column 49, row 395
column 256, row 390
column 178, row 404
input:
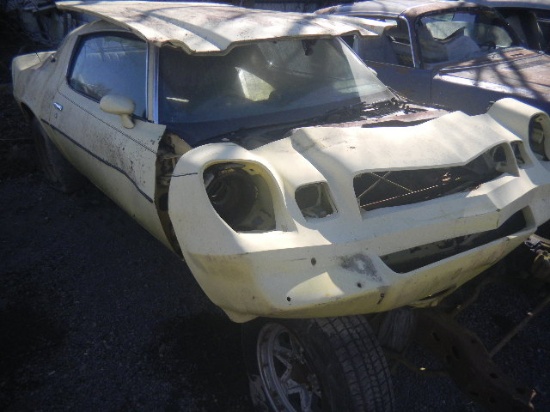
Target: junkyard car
column 259, row 148
column 529, row 18
column 458, row 55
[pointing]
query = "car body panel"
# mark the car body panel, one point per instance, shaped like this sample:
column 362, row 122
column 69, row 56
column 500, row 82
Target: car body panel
column 121, row 162
column 186, row 24
column 520, row 73
column 468, row 84
column 450, row 195
column 334, row 266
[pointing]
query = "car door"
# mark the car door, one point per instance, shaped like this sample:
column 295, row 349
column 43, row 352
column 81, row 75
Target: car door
column 119, row 158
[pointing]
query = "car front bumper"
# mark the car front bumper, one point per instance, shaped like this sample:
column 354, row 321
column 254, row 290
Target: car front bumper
column 356, row 262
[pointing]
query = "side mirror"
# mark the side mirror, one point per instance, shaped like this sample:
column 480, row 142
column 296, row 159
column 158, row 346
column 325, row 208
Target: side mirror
column 120, row 105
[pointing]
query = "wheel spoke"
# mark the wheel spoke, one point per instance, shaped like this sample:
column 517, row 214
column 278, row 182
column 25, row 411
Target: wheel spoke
column 305, row 395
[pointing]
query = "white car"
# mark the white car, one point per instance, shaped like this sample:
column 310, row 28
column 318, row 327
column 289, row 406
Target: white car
column 301, row 191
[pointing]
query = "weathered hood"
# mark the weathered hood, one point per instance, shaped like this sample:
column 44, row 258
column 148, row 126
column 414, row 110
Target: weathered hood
column 518, row 72
column 342, row 153
column 451, row 154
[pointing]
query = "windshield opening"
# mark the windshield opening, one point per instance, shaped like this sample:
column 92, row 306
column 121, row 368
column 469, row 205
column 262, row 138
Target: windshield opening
column 462, row 35
column 259, row 84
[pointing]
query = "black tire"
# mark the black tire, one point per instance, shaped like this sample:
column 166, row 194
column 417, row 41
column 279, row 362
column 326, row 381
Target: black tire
column 333, row 364
column 59, row 173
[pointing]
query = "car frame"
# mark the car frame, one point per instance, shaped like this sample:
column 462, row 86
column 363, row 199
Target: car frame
column 337, row 200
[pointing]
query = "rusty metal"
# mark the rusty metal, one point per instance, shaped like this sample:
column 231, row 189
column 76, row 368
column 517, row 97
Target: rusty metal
column 402, row 360
column 541, row 266
column 469, row 364
column 461, row 307
column 520, row 326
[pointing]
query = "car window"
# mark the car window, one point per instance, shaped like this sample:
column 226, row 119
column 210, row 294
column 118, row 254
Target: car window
column 456, row 36
column 532, row 26
column 543, row 19
column 262, row 83
column 111, row 64
column 392, row 46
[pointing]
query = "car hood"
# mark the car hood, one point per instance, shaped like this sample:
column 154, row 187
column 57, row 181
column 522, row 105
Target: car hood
column 448, row 155
column 340, row 154
column 517, row 72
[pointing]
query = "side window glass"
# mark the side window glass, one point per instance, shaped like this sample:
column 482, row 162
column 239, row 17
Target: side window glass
column 400, row 40
column 111, row 64
column 391, row 46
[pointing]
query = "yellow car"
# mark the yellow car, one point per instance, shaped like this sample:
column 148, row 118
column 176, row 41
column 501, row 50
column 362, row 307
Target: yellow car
column 297, row 187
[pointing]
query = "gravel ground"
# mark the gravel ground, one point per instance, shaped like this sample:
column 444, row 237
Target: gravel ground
column 95, row 314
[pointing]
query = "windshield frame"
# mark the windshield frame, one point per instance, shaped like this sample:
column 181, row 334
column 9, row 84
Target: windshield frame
column 197, row 132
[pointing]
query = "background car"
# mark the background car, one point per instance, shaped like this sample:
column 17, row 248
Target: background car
column 457, row 55
column 301, row 192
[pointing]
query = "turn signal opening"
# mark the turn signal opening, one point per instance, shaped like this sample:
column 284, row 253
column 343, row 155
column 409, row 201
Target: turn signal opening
column 314, row 201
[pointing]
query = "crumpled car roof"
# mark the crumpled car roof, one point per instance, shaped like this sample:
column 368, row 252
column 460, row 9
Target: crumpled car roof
column 202, row 28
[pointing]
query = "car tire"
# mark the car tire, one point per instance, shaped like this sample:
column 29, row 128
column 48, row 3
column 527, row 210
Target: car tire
column 59, row 173
column 329, row 364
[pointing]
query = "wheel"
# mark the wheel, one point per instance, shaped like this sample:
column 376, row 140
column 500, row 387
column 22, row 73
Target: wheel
column 59, row 173
column 332, row 364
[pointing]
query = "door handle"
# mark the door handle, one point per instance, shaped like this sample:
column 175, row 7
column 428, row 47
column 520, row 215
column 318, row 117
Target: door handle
column 57, row 106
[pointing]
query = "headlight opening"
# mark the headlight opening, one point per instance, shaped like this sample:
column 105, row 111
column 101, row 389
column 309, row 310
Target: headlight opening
column 241, row 196
column 539, row 136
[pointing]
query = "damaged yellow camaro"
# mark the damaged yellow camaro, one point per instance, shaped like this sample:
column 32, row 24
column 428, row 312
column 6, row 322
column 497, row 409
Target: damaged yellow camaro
column 259, row 148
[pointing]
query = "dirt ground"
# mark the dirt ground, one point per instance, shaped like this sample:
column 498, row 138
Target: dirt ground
column 95, row 314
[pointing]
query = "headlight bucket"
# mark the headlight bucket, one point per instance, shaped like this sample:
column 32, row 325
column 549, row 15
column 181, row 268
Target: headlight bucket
column 240, row 195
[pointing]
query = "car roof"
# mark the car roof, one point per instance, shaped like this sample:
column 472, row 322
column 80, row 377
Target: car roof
column 393, row 8
column 210, row 27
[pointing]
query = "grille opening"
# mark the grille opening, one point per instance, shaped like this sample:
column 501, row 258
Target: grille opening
column 414, row 258
column 375, row 190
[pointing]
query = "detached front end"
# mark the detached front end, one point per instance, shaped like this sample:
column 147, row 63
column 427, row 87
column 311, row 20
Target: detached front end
column 333, row 221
